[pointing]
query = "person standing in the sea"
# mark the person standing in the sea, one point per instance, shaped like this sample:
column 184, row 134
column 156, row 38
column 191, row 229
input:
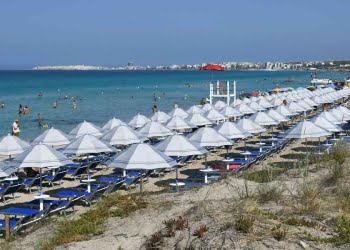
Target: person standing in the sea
column 54, row 105
column 15, row 128
column 40, row 120
column 20, row 109
column 75, row 104
column 26, row 110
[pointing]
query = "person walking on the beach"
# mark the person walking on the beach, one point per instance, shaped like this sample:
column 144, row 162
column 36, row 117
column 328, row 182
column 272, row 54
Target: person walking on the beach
column 20, row 109
column 40, row 120
column 15, row 128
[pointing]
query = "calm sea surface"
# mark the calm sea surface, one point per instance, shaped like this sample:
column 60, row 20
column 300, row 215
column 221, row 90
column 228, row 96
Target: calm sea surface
column 102, row 95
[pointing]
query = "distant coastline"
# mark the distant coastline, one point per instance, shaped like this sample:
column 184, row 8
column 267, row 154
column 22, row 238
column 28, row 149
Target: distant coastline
column 343, row 65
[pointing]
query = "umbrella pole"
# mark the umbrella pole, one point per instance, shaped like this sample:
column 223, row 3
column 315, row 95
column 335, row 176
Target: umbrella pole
column 141, row 182
column 205, row 159
column 41, row 186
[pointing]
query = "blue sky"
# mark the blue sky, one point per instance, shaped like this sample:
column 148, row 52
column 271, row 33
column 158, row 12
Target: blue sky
column 113, row 32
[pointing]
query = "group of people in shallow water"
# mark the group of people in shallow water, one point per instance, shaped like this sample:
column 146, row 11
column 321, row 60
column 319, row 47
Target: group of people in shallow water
column 22, row 110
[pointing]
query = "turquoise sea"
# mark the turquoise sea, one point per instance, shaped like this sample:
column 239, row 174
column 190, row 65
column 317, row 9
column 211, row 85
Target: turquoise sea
column 103, row 94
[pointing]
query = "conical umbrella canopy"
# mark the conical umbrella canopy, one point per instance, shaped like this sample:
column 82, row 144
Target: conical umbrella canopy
column 154, row 129
column 319, row 100
column 244, row 109
column 294, row 107
column 214, row 115
column 198, row 120
column 179, row 145
column 264, row 103
column 86, row 128
column 330, row 117
column 40, row 156
column 6, row 170
column 160, row 117
column 220, row 105
column 12, row 145
column 304, row 105
column 235, row 103
column 195, row 110
column 269, row 97
column 277, row 116
column 246, row 100
column 87, row 144
column 255, row 106
column 231, row 131
column 310, row 102
column 138, row 121
column 53, row 137
column 178, row 112
column 121, row 136
column 141, row 156
column 276, row 102
column 249, row 126
column 177, row 123
column 283, row 110
column 306, row 129
column 263, row 119
column 339, row 115
column 325, row 124
column 208, row 137
column 207, row 107
column 112, row 123
column 230, row 112
column 344, row 110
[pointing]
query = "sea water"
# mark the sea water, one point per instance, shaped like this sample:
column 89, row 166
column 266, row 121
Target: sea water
column 101, row 95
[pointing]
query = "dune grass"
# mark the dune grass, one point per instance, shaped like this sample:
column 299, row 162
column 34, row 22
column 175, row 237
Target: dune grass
column 92, row 222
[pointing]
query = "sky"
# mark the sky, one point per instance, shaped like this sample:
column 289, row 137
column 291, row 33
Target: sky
column 158, row 32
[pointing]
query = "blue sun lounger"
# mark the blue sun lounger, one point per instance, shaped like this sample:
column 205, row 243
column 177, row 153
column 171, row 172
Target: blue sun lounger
column 58, row 177
column 10, row 189
column 29, row 183
column 21, row 216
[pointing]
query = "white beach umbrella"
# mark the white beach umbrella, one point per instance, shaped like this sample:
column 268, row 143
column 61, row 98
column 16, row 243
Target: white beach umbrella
column 40, row 156
column 319, row 100
column 249, row 126
column 112, row 123
column 87, row 144
column 246, row 100
column 244, row 109
column 6, row 170
column 122, row 135
column 310, row 102
column 263, row 119
column 254, row 99
column 198, row 120
column 220, row 105
column 141, row 157
column 269, row 97
column 12, row 145
column 255, row 106
column 154, row 129
column 208, row 137
column 86, row 128
column 53, row 137
column 294, row 107
column 265, row 104
column 178, row 124
column 235, row 103
column 276, row 102
column 306, row 129
column 207, row 107
column 195, row 109
column 214, row 115
column 283, row 110
column 178, row 112
column 277, row 116
column 325, row 124
column 231, row 131
column 331, row 117
column 344, row 110
column 339, row 115
column 138, row 121
column 160, row 117
column 304, row 105
column 230, row 112
column 178, row 145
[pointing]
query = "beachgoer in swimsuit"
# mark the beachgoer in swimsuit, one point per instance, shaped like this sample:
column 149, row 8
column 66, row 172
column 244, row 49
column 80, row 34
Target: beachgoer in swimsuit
column 15, row 128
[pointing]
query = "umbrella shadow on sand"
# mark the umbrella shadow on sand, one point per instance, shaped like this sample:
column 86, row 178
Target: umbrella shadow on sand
column 293, row 156
column 285, row 164
column 304, row 149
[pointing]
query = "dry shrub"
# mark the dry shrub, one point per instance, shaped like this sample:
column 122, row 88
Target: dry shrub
column 308, row 197
column 200, row 231
column 245, row 223
column 267, row 192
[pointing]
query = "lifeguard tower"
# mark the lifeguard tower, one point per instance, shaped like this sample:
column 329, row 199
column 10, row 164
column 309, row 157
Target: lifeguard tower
column 222, row 90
